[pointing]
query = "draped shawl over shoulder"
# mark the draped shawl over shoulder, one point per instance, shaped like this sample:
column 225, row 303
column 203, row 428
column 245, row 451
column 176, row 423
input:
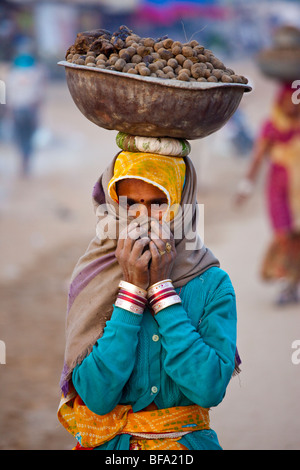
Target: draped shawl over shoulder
column 95, row 279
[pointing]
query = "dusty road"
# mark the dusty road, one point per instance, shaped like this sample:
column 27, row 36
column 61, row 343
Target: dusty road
column 47, row 222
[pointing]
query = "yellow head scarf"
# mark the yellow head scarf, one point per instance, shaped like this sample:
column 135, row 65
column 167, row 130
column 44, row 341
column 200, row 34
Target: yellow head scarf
column 166, row 173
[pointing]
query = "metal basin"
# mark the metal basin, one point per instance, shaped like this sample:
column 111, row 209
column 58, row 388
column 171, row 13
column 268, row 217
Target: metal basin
column 279, row 64
column 148, row 106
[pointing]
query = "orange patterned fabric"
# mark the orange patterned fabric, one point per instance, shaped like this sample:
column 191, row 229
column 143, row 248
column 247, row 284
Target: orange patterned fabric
column 154, row 429
column 155, row 444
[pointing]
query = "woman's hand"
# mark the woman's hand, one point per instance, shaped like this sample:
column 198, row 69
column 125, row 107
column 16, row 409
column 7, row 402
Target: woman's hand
column 132, row 258
column 162, row 260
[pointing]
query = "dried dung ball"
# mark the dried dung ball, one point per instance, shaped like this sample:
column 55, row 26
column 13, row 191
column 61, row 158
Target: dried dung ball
column 133, row 71
column 176, row 48
column 218, row 73
column 197, row 71
column 202, row 58
column 147, row 59
column 160, row 74
column 90, row 60
column 216, row 63
column 158, row 45
column 187, row 64
column 236, row 78
column 131, row 50
column 113, row 59
column 167, row 69
column 123, row 54
column 229, row 71
column 180, row 59
column 186, row 71
column 131, row 38
column 101, row 57
column 172, row 63
column 165, row 53
column 128, row 66
column 167, row 43
column 140, row 50
column 136, row 59
column 153, row 67
column 159, row 64
column 155, row 55
column 144, row 71
column 199, row 49
column 226, row 78
column 187, row 51
column 170, row 75
column 149, row 42
column 120, row 64
column 183, row 76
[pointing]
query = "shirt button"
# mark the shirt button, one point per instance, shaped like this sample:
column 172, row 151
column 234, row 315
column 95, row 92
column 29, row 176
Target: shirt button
column 154, row 389
column 155, row 338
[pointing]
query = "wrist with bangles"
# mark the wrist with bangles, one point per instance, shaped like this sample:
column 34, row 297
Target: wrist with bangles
column 160, row 295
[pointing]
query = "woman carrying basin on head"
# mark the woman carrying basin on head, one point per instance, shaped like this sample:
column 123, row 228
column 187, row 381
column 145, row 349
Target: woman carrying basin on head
column 151, row 327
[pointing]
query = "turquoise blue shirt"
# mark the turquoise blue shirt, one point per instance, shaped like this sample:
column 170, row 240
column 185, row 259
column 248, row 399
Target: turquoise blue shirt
column 182, row 356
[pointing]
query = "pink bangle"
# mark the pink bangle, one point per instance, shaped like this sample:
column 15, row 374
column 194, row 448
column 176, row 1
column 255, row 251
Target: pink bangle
column 160, row 292
column 167, row 283
column 162, row 296
column 133, row 289
column 161, row 304
column 133, row 296
column 130, row 299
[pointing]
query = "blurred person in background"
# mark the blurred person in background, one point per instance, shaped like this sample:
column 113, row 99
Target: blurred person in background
column 25, row 87
column 279, row 143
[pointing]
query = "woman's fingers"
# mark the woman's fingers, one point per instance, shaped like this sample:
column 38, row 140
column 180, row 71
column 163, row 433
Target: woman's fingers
column 160, row 246
column 155, row 256
column 161, row 231
column 162, row 237
column 138, row 247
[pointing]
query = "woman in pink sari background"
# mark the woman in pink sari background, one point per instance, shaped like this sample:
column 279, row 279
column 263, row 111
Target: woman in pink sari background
column 279, row 142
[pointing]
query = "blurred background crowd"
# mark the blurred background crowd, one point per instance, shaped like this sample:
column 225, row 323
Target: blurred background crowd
column 50, row 158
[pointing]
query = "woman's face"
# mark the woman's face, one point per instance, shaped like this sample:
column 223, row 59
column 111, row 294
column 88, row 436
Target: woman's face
column 142, row 198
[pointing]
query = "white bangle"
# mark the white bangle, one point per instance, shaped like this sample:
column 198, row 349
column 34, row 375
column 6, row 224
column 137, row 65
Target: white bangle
column 161, row 304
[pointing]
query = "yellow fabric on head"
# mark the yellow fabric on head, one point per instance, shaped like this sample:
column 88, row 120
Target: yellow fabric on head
column 166, row 173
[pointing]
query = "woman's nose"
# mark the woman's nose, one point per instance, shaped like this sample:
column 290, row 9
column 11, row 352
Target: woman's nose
column 139, row 210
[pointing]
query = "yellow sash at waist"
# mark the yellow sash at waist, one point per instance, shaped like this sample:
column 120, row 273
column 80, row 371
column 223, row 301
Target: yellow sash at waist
column 92, row 430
